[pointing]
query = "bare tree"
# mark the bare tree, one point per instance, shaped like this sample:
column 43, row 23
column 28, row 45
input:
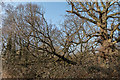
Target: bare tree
column 101, row 16
column 33, row 31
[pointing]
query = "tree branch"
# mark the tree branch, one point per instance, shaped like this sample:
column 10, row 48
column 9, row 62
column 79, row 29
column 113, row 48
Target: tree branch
column 90, row 20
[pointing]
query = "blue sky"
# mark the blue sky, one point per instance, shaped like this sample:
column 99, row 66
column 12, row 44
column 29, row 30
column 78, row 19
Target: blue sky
column 54, row 11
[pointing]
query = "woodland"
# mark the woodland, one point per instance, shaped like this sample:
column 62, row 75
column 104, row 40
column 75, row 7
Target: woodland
column 86, row 46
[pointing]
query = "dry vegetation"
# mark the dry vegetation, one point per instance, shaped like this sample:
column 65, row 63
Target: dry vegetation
column 87, row 46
